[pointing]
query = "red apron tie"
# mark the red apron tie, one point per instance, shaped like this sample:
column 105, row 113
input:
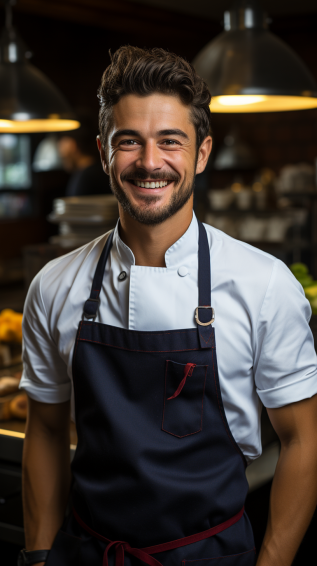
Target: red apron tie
column 188, row 371
column 144, row 554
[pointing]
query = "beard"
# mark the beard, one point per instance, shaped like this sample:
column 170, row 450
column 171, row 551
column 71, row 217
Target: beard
column 146, row 215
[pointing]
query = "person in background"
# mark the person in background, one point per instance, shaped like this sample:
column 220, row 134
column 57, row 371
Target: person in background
column 80, row 157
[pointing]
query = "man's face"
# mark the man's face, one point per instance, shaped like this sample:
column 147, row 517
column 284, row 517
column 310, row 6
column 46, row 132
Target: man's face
column 151, row 156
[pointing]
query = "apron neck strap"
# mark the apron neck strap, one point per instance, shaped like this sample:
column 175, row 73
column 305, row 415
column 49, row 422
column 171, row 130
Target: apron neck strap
column 91, row 306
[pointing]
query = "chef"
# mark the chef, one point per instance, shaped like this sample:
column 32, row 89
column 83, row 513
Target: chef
column 164, row 336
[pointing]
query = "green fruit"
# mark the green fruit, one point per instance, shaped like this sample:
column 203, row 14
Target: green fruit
column 311, row 292
column 305, row 281
column 299, row 269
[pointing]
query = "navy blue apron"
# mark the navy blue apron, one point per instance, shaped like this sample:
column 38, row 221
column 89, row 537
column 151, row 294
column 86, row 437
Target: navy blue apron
column 156, row 466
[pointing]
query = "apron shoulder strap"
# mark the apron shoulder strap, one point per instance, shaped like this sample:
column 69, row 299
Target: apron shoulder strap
column 204, row 313
column 92, row 304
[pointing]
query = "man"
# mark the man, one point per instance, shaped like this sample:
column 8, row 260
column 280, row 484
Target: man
column 163, row 437
column 79, row 156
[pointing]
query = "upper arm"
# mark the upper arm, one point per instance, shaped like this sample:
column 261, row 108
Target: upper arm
column 45, row 377
column 285, row 362
column 296, row 422
column 48, row 418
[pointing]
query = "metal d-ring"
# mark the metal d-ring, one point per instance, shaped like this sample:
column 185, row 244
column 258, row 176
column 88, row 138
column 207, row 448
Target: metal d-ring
column 204, row 323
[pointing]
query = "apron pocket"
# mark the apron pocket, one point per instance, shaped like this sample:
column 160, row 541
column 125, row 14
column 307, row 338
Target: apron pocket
column 66, row 550
column 241, row 559
column 183, row 398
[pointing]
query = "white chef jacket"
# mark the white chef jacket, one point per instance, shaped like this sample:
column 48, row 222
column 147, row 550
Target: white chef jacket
column 265, row 348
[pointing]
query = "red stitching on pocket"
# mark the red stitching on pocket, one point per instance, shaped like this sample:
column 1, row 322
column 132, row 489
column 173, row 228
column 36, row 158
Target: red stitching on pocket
column 202, row 406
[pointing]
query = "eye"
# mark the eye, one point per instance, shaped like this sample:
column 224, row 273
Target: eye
column 128, row 142
column 170, row 142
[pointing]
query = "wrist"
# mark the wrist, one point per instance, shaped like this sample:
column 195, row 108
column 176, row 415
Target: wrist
column 32, row 557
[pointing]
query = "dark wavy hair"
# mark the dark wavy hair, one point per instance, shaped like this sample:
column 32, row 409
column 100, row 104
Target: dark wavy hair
column 147, row 71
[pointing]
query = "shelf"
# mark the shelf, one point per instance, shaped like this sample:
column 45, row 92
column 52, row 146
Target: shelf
column 301, row 194
column 257, row 212
column 284, row 246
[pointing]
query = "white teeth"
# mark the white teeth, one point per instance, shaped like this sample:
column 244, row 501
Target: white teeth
column 152, row 185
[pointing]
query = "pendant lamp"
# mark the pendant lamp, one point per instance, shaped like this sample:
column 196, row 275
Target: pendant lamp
column 29, row 102
column 248, row 69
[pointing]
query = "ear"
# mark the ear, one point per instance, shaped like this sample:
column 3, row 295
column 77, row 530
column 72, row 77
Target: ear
column 203, row 154
column 102, row 156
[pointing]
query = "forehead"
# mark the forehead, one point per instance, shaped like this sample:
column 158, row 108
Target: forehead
column 152, row 113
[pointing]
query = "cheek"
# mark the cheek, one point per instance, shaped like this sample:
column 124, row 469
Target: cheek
column 121, row 161
column 182, row 163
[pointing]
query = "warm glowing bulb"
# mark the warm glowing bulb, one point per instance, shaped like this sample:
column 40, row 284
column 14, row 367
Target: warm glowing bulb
column 36, row 125
column 261, row 103
column 240, row 100
column 5, row 124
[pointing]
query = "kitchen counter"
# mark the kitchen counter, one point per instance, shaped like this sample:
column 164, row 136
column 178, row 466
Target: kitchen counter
column 16, row 428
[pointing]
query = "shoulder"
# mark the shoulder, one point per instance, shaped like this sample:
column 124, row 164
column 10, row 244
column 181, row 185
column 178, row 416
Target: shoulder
column 222, row 243
column 251, row 275
column 240, row 262
column 73, row 271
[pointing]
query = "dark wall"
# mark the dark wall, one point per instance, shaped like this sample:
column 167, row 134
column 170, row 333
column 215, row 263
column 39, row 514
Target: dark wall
column 75, row 55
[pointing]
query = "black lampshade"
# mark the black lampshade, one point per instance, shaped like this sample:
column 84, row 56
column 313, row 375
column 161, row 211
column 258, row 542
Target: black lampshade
column 248, row 69
column 29, row 101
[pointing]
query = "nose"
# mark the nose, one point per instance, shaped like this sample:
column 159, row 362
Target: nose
column 150, row 157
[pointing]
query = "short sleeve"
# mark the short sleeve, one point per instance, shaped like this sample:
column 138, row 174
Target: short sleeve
column 285, row 367
column 44, row 375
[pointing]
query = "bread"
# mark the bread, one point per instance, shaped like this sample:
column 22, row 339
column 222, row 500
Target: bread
column 5, row 413
column 19, row 406
column 8, row 385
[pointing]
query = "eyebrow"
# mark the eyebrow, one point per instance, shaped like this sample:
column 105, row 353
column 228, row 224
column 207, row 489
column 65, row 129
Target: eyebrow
column 174, row 132
column 135, row 133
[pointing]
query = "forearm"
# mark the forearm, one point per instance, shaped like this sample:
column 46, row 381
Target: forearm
column 292, row 504
column 46, row 483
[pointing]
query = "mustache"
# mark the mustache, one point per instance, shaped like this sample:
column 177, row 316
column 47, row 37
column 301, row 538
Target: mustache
column 141, row 175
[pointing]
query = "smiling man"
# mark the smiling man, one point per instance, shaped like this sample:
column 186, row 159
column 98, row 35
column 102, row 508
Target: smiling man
column 167, row 416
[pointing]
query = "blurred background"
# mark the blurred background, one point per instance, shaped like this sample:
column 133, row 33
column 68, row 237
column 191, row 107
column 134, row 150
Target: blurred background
column 259, row 186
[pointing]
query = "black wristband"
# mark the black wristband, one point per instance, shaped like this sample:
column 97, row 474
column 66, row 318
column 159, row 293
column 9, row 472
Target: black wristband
column 27, row 558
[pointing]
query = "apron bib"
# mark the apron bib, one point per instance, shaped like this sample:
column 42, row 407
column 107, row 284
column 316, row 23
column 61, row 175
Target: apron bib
column 156, row 463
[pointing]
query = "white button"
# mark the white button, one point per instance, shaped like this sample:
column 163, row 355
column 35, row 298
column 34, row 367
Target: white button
column 182, row 271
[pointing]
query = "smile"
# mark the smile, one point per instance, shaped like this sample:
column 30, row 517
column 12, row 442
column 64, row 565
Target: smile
column 150, row 184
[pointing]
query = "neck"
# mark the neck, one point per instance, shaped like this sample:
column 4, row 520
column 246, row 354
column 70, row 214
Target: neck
column 150, row 243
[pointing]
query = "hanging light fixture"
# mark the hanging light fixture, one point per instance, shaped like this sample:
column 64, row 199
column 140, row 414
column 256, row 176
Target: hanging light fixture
column 29, row 102
column 248, row 69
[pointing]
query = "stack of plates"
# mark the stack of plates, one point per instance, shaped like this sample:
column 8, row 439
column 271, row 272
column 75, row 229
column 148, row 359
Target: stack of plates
column 82, row 219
